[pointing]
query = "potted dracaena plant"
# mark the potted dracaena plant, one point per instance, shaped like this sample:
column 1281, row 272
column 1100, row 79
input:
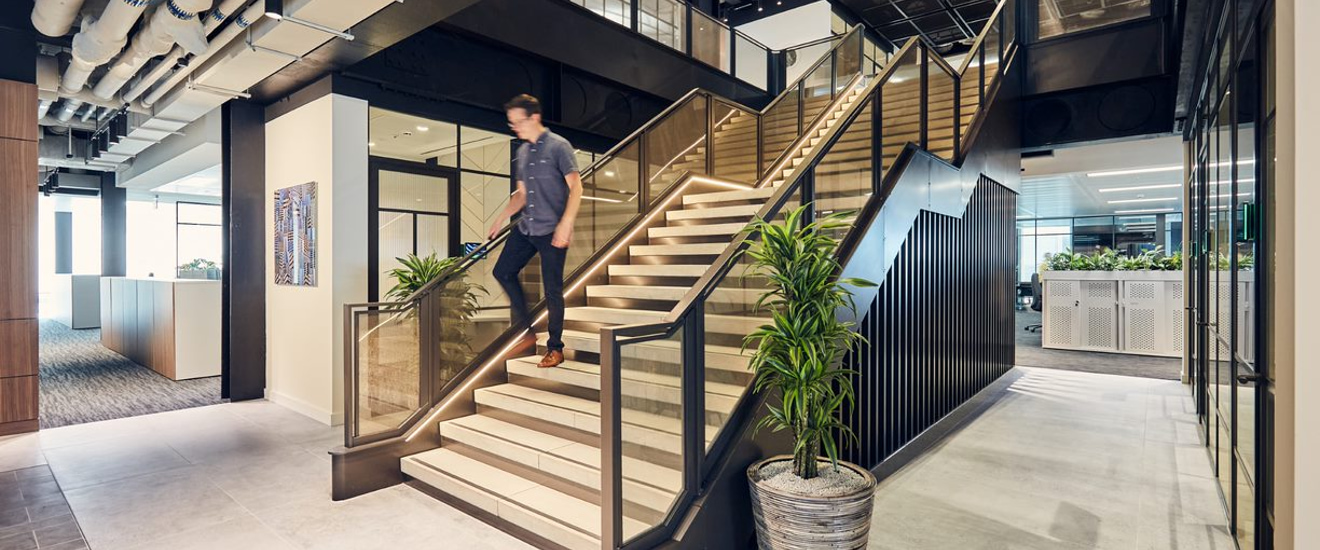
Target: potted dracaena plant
column 806, row 500
column 459, row 302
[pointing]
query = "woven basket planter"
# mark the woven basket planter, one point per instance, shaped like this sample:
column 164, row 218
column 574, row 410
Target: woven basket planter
column 787, row 521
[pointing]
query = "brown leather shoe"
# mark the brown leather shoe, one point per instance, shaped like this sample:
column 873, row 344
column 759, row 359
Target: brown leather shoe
column 553, row 358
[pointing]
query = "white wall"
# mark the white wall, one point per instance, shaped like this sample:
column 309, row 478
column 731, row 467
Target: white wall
column 793, row 27
column 324, row 141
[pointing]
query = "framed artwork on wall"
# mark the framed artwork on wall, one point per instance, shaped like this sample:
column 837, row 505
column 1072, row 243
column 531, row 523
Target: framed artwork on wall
column 295, row 235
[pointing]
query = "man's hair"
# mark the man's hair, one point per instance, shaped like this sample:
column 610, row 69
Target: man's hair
column 527, row 103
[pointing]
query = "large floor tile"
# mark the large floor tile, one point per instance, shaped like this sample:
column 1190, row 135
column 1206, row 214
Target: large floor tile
column 261, row 484
column 20, row 451
column 398, row 517
column 108, row 460
column 1060, row 460
column 146, row 508
column 244, row 532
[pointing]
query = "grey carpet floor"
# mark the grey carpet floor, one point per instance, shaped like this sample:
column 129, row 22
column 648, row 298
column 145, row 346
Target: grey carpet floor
column 1031, row 354
column 81, row 381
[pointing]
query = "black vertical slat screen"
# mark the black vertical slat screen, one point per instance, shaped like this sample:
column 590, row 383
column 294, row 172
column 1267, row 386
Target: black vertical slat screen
column 941, row 327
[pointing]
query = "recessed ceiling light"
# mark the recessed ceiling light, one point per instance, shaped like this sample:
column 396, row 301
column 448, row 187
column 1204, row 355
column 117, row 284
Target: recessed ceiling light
column 421, row 128
column 371, row 144
column 1144, row 211
column 1140, row 187
column 609, row 173
column 1156, row 199
column 1132, row 171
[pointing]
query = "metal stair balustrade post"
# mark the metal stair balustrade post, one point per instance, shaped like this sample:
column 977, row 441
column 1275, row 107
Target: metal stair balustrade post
column 694, row 398
column 611, row 441
column 924, row 95
column 710, row 136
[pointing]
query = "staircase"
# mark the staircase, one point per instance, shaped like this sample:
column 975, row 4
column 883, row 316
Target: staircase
column 530, row 456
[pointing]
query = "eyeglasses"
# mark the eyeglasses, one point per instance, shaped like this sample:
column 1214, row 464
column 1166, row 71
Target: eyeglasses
column 519, row 122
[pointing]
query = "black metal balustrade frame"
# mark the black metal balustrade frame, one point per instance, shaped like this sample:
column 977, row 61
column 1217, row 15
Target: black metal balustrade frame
column 433, row 390
column 687, row 317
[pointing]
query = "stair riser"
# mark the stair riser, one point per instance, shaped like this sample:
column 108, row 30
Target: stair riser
column 519, row 522
column 659, row 448
column 642, row 502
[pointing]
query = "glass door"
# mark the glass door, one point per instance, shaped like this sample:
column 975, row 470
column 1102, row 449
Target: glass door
column 413, row 210
column 1230, row 179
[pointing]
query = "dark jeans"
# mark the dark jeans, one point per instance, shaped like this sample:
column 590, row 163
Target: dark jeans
column 518, row 250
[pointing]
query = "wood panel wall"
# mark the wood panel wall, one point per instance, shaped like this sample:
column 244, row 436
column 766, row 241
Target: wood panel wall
column 18, row 257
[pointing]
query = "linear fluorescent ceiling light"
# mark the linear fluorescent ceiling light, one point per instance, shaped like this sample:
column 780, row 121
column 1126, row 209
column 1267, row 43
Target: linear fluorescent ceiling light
column 1155, row 199
column 1140, row 187
column 1144, row 211
column 1134, row 171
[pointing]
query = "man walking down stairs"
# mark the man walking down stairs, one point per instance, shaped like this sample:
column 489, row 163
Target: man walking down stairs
column 549, row 193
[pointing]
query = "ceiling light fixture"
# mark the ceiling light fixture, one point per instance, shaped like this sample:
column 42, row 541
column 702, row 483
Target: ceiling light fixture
column 1144, row 211
column 371, row 144
column 1156, row 199
column 421, row 128
column 1128, row 172
column 275, row 10
column 1140, row 187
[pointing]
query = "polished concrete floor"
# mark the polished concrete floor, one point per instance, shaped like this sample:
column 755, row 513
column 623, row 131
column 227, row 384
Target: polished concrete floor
column 1062, row 460
column 249, row 475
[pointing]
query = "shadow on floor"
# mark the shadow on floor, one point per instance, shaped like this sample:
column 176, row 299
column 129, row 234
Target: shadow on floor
column 1031, row 354
column 81, row 381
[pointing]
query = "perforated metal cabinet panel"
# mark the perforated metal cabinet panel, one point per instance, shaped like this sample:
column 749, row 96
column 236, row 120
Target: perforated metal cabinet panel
column 1059, row 320
column 1177, row 318
column 1143, row 307
column 1099, row 315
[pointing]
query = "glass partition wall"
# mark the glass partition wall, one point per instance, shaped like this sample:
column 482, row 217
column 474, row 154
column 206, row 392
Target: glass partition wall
column 1127, row 235
column 1230, row 179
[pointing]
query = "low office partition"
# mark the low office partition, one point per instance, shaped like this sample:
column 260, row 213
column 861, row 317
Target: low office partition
column 1137, row 312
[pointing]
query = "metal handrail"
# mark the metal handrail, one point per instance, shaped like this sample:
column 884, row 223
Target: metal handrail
column 802, row 77
column 692, row 304
column 980, row 38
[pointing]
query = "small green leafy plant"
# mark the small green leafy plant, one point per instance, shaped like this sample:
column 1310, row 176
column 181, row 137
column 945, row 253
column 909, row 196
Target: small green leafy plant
column 1109, row 260
column 459, row 301
column 800, row 353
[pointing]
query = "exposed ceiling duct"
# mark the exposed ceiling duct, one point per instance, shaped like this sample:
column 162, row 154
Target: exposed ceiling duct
column 96, row 44
column 200, row 62
column 55, row 17
column 174, row 22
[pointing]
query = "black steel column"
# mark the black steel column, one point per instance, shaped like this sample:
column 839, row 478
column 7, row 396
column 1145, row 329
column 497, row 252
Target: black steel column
column 243, row 302
column 114, row 227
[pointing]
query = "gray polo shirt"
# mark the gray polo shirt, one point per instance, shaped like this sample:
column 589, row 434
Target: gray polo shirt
column 543, row 166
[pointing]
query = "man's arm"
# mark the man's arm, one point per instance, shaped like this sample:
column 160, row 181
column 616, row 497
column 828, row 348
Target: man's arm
column 564, row 231
column 516, row 203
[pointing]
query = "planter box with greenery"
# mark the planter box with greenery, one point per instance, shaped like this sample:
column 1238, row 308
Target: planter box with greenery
column 799, row 358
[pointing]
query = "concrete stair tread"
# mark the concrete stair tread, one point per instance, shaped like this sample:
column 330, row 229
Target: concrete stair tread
column 727, row 358
column 546, row 512
column 759, row 193
column 689, row 249
column 672, row 293
column 740, row 211
column 726, row 324
column 553, row 454
column 695, row 230
column 630, row 376
column 667, row 270
column 585, row 413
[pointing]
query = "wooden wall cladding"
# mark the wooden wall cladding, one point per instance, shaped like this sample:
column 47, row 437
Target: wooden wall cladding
column 20, row 399
column 18, row 347
column 18, row 229
column 18, row 258
column 17, row 119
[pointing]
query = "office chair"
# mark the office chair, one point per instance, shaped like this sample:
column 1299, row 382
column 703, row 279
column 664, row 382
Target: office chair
column 1037, row 301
